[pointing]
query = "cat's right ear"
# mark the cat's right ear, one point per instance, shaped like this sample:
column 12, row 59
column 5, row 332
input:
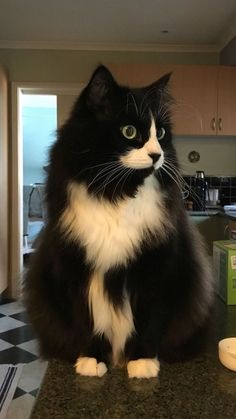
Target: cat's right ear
column 99, row 88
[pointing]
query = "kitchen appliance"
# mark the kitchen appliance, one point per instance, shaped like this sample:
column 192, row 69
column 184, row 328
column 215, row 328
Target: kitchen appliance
column 212, row 197
column 200, row 189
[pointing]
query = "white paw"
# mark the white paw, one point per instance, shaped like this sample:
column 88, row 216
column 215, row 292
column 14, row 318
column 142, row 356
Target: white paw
column 143, row 368
column 90, row 367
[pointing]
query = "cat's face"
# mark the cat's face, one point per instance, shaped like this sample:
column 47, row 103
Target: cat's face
column 120, row 135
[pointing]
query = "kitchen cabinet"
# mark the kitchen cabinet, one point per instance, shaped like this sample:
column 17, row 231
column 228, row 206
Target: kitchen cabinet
column 226, row 123
column 211, row 228
column 205, row 96
column 205, row 100
column 232, row 226
column 195, row 90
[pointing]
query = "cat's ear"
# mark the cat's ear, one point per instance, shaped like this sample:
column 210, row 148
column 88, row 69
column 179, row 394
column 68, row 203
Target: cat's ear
column 101, row 85
column 162, row 83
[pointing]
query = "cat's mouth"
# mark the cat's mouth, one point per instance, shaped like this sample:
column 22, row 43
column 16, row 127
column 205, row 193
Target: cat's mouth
column 152, row 161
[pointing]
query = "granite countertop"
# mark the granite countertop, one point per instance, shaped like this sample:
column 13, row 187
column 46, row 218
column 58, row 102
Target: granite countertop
column 201, row 388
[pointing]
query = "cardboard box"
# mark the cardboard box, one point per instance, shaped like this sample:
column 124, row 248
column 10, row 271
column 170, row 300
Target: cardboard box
column 224, row 264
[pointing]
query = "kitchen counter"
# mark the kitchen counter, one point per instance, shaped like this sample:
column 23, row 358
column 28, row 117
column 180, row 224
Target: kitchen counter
column 201, row 388
column 211, row 212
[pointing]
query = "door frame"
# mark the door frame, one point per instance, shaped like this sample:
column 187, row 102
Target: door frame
column 4, row 216
column 16, row 172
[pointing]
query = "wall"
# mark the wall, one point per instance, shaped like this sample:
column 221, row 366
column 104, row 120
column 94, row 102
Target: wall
column 76, row 66
column 228, row 53
column 217, row 155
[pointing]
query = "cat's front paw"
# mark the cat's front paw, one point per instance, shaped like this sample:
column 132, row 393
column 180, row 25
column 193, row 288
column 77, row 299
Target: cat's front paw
column 90, row 367
column 143, row 368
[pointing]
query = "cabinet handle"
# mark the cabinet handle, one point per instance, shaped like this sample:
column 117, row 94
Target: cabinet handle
column 220, row 124
column 213, row 124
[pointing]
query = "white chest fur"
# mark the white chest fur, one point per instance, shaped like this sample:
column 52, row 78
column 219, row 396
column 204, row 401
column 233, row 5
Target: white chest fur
column 111, row 234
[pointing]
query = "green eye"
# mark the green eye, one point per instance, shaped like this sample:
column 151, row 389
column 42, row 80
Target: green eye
column 161, row 132
column 129, row 132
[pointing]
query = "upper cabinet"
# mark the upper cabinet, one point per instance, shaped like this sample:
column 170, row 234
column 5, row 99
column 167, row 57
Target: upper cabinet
column 205, row 100
column 205, row 96
column 195, row 92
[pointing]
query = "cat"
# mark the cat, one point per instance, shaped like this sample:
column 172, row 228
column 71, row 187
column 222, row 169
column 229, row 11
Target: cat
column 120, row 275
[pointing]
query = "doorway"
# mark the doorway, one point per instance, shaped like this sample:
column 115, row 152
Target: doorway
column 39, row 125
column 64, row 95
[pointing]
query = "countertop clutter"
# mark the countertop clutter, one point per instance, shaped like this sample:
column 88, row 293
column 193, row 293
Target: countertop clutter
column 200, row 388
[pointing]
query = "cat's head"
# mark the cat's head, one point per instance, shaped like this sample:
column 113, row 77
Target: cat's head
column 117, row 136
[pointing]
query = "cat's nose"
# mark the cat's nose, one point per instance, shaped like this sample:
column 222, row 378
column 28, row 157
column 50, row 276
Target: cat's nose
column 155, row 157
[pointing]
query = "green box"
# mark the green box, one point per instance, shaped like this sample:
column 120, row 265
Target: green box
column 224, row 263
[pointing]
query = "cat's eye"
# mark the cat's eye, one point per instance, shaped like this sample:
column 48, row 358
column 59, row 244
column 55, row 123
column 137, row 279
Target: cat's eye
column 161, row 132
column 129, row 132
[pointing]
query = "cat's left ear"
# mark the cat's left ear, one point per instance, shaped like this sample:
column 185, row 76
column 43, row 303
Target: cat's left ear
column 101, row 85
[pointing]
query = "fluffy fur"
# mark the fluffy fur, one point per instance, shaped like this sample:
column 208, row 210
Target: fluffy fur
column 119, row 273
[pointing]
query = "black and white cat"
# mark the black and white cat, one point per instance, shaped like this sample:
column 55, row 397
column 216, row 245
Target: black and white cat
column 119, row 274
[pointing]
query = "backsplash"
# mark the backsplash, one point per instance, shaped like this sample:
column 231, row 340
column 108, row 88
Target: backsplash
column 225, row 184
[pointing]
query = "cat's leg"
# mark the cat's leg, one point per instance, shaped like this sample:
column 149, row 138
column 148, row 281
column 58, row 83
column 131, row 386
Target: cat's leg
column 141, row 349
column 94, row 363
column 143, row 368
column 90, row 367
column 142, row 359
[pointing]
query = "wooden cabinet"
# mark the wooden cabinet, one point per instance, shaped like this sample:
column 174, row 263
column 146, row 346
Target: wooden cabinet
column 226, row 122
column 195, row 90
column 206, row 100
column 205, row 96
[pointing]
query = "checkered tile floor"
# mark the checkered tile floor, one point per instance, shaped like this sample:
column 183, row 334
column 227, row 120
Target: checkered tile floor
column 18, row 345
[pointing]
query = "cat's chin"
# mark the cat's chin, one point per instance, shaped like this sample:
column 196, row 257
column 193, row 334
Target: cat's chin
column 144, row 173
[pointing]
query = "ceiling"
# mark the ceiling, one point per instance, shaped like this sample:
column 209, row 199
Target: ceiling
column 117, row 24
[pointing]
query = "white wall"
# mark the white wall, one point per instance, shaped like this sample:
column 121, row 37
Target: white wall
column 217, row 155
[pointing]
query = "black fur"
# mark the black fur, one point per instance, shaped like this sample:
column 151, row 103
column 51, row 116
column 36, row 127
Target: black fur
column 168, row 282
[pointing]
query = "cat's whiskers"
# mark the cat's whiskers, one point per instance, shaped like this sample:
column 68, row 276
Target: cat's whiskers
column 98, row 165
column 164, row 167
column 150, row 91
column 124, row 177
column 130, row 94
column 174, row 176
column 147, row 94
column 109, row 178
column 175, row 170
column 112, row 176
column 185, row 187
column 174, row 173
column 162, row 116
column 103, row 172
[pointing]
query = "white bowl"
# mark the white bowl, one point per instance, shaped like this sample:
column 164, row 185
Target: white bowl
column 227, row 353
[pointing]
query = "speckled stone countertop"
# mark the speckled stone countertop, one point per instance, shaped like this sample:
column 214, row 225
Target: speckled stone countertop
column 201, row 388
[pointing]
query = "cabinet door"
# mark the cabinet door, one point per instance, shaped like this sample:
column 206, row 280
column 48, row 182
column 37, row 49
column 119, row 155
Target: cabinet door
column 196, row 94
column 226, row 123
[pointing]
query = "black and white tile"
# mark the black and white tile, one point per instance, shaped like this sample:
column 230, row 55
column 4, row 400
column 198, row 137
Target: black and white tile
column 18, row 345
